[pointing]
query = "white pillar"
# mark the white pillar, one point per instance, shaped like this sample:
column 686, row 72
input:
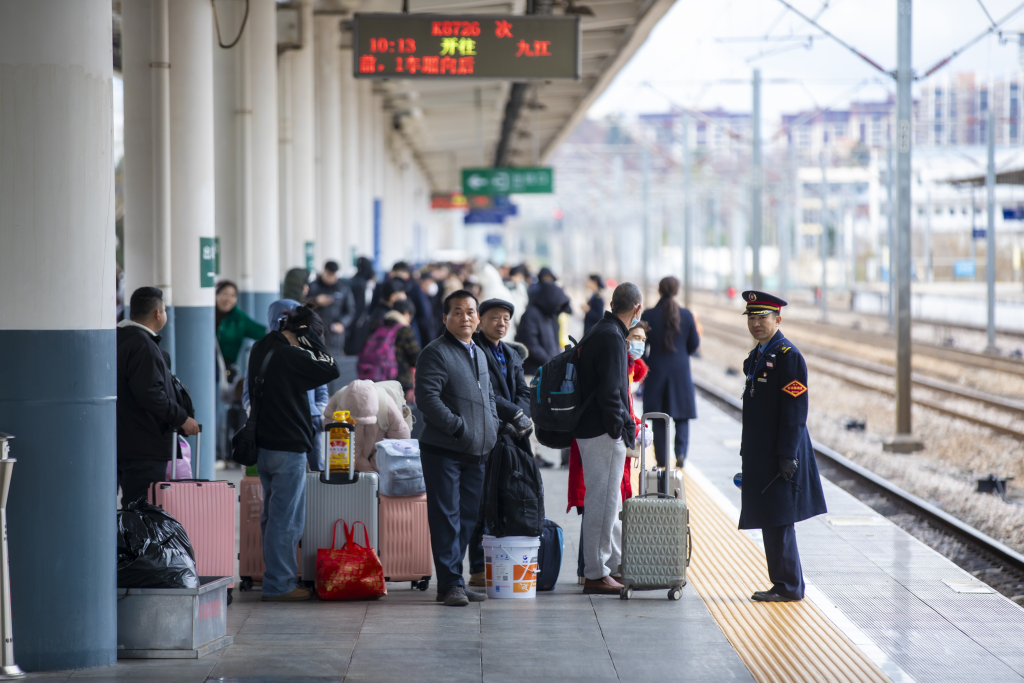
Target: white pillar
column 227, row 167
column 303, row 117
column 367, row 160
column 350, row 167
column 57, row 343
column 193, row 207
column 266, row 248
column 328, row 141
column 285, row 151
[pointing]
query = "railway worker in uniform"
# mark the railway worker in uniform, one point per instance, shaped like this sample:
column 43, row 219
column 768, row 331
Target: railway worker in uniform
column 780, row 476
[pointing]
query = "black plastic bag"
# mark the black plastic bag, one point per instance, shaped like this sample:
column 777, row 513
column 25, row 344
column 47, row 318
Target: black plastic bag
column 153, row 550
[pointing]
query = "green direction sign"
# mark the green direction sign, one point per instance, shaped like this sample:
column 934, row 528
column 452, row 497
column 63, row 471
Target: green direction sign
column 508, row 180
column 209, row 261
column 310, row 255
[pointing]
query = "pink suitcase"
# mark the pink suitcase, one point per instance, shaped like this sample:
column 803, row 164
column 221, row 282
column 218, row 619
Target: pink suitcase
column 250, row 537
column 404, row 538
column 207, row 511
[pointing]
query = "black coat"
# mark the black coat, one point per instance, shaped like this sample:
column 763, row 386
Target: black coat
column 148, row 406
column 511, row 392
column 538, row 328
column 595, row 312
column 669, row 385
column 341, row 310
column 353, row 339
column 603, row 371
column 775, row 426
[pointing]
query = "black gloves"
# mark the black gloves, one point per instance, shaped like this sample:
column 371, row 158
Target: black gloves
column 787, row 467
column 520, row 425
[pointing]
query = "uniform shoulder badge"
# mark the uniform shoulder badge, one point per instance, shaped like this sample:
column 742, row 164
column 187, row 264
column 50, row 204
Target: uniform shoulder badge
column 786, row 348
column 795, row 389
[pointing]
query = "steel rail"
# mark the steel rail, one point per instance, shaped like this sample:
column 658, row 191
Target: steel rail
column 909, row 501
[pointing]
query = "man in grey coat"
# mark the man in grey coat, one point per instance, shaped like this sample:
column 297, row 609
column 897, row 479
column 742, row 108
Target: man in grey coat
column 461, row 428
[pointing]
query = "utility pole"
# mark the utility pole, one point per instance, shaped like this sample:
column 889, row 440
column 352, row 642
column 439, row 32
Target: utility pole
column 928, row 277
column 823, row 238
column 646, row 170
column 891, row 179
column 784, row 229
column 687, row 214
column 990, row 234
column 974, row 231
column 903, row 441
column 756, row 182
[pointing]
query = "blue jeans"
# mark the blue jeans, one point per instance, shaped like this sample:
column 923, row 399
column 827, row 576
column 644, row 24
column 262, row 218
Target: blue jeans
column 283, row 476
column 454, row 490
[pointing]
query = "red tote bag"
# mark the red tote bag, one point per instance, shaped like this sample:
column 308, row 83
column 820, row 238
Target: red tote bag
column 352, row 572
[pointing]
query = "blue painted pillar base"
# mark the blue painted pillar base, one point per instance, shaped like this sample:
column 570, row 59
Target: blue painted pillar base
column 58, row 398
column 196, row 367
column 247, row 302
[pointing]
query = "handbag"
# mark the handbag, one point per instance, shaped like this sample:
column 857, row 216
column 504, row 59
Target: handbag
column 243, row 444
column 352, row 572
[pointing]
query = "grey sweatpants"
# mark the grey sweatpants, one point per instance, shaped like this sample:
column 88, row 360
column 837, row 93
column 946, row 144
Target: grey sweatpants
column 603, row 461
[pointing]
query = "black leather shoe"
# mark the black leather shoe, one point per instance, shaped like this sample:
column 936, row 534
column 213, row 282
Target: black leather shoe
column 769, row 596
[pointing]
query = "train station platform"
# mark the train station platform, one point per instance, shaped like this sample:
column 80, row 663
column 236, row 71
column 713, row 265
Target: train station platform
column 880, row 606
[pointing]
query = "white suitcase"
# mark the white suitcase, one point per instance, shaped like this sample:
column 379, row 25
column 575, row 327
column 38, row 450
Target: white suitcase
column 330, row 498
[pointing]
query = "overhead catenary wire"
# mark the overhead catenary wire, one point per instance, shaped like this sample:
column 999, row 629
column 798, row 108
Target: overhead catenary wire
column 987, row 32
column 813, row 22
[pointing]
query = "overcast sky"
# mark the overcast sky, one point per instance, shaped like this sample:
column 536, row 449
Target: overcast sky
column 682, row 53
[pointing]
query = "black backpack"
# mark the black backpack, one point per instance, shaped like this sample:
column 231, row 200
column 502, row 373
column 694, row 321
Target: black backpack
column 556, row 400
column 514, row 492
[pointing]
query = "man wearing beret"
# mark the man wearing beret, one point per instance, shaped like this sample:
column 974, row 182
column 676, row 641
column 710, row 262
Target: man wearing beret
column 149, row 407
column 511, row 398
column 781, row 485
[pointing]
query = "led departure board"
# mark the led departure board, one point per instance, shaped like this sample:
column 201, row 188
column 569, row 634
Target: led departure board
column 508, row 47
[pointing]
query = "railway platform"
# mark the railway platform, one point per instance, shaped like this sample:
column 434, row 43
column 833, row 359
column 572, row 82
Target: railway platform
column 880, row 606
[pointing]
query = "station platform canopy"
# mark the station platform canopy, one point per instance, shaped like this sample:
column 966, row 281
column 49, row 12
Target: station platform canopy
column 1014, row 177
column 471, row 122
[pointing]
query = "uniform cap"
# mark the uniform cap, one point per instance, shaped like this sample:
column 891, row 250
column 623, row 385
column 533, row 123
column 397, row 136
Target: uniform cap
column 761, row 303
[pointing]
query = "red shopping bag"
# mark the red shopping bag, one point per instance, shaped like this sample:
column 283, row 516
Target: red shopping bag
column 352, row 572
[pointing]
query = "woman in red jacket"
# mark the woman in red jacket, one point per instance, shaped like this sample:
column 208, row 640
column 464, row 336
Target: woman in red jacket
column 637, row 369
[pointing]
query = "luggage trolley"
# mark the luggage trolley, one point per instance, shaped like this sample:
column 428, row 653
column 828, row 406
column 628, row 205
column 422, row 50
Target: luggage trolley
column 656, row 543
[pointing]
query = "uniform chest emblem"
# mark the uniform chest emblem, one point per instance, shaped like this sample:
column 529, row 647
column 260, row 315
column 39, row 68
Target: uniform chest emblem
column 795, row 389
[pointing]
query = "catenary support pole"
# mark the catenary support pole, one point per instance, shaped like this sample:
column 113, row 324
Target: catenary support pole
column 890, row 184
column 990, row 233
column 645, row 214
column 57, row 342
column 192, row 208
column 928, row 277
column 756, row 184
column 687, row 213
column 823, row 237
column 903, row 441
column 266, row 245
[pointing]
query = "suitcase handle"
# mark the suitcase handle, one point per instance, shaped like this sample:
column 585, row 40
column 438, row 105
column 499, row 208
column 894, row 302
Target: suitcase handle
column 669, row 439
column 174, row 455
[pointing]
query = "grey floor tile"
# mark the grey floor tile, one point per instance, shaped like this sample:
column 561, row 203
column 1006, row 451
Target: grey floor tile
column 296, row 641
column 453, row 665
column 553, row 664
column 49, row 676
column 711, row 665
column 155, row 670
column 282, row 661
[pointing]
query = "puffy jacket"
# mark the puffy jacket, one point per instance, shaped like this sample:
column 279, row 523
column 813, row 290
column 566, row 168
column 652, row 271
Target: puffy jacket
column 460, row 422
column 538, row 328
column 511, row 393
column 148, row 407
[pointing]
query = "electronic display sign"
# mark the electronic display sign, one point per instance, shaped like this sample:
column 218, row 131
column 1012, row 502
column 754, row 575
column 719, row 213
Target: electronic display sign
column 507, row 47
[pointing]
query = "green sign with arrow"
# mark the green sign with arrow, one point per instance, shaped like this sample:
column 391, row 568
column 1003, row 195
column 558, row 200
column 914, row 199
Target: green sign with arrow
column 537, row 180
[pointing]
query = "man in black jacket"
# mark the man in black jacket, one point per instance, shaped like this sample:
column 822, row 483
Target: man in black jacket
column 284, row 434
column 461, row 428
column 604, row 431
column 149, row 408
column 511, row 398
column 335, row 306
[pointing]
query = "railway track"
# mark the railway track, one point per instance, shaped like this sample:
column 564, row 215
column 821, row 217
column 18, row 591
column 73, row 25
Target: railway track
column 849, row 475
column 836, row 365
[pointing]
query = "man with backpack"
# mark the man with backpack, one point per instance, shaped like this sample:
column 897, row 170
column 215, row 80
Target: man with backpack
column 604, row 431
column 461, row 428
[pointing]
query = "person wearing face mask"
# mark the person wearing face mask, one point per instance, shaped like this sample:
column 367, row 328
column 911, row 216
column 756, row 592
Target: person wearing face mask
column 673, row 339
column 605, row 430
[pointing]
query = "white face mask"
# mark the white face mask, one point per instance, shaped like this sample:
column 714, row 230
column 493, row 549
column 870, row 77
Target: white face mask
column 636, row 349
column 432, row 289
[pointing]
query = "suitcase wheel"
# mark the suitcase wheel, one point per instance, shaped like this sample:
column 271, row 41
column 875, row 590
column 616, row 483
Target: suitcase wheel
column 246, row 584
column 422, row 584
column 626, row 593
column 675, row 593
column 230, row 598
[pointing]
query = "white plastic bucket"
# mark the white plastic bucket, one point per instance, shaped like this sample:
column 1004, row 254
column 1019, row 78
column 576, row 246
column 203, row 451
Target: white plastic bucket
column 511, row 566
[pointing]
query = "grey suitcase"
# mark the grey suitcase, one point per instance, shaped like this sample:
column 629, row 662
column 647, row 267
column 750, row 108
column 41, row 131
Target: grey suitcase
column 668, row 480
column 352, row 497
column 655, row 535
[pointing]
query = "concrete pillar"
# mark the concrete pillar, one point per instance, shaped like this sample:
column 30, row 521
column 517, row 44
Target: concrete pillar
column 57, row 342
column 227, row 142
column 352, row 243
column 328, row 141
column 266, row 248
column 303, row 117
column 367, row 161
column 285, row 150
column 192, row 207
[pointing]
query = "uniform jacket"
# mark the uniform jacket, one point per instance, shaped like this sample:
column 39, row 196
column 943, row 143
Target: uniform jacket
column 669, row 388
column 538, row 328
column 148, row 406
column 775, row 426
column 511, row 393
column 453, row 391
column 233, row 329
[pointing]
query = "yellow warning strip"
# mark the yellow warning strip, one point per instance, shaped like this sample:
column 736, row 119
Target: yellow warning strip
column 784, row 642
